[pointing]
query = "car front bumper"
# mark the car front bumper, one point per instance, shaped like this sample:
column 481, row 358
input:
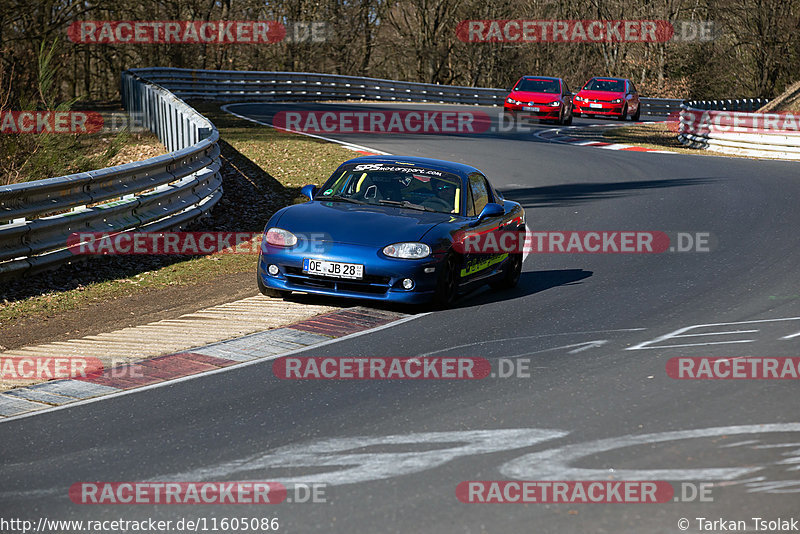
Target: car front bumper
column 382, row 279
column 544, row 113
column 610, row 110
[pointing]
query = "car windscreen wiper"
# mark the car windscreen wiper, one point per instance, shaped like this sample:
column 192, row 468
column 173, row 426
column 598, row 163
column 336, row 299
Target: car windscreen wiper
column 342, row 199
column 405, row 204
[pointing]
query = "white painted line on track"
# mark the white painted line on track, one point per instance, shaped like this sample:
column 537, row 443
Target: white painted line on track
column 718, row 333
column 679, row 333
column 740, row 443
column 486, row 341
column 576, row 348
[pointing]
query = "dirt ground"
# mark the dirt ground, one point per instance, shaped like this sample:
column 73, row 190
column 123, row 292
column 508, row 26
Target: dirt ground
column 130, row 310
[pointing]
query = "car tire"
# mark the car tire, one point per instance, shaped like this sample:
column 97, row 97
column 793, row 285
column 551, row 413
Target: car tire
column 635, row 117
column 270, row 292
column 447, row 283
column 511, row 275
column 624, row 113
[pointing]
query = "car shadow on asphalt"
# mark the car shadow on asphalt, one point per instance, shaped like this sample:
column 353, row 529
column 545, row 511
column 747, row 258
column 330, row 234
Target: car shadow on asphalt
column 530, row 282
column 571, row 194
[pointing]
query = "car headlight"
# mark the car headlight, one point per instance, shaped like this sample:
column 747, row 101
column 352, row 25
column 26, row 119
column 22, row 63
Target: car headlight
column 616, row 101
column 279, row 237
column 407, row 251
column 579, row 99
column 556, row 103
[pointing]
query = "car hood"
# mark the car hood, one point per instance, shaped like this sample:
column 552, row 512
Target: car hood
column 342, row 222
column 600, row 95
column 539, row 98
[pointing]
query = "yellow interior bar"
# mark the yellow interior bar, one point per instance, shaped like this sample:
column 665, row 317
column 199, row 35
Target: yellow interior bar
column 360, row 181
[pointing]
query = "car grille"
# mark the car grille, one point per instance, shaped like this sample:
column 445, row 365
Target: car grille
column 373, row 285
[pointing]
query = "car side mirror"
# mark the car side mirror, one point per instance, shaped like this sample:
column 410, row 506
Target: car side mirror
column 490, row 210
column 309, row 191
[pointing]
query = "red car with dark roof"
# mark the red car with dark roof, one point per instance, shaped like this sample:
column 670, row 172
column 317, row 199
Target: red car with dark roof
column 608, row 97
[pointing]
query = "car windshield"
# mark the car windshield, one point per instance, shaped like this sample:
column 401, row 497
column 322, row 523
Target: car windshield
column 398, row 185
column 613, row 86
column 533, row 85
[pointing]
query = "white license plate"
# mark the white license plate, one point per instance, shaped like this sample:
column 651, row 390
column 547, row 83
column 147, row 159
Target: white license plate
column 530, row 108
column 595, row 105
column 353, row 271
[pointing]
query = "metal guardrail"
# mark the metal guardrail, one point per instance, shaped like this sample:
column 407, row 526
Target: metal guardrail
column 739, row 104
column 244, row 86
column 37, row 218
column 739, row 132
column 661, row 107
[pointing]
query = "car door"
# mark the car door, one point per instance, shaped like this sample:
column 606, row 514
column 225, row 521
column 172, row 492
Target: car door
column 478, row 264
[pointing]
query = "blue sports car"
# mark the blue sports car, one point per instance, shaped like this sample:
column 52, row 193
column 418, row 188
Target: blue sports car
column 384, row 228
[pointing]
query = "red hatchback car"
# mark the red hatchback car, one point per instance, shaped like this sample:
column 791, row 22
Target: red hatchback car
column 608, row 97
column 540, row 97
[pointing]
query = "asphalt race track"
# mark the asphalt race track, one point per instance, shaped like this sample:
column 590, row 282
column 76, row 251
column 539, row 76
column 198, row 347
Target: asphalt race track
column 597, row 404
